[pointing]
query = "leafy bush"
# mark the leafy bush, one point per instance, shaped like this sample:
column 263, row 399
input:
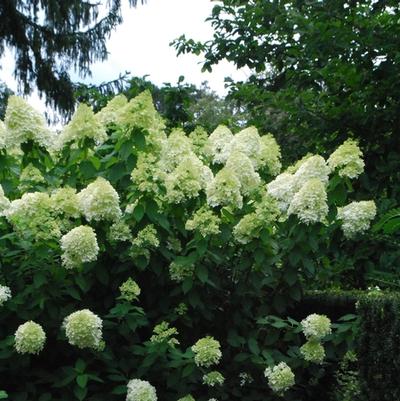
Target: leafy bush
column 163, row 265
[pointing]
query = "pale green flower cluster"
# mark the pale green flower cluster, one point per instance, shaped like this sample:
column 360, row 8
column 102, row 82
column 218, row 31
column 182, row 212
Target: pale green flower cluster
column 140, row 390
column 280, row 378
column 310, row 202
column 247, row 142
column 130, row 290
column 356, row 217
column 270, row 155
column 83, row 329
column 187, row 397
column 213, row 379
column 99, row 201
column 65, row 201
column 316, row 327
column 313, row 167
column 24, row 123
column 5, row 294
column 313, row 351
column 29, row 176
column 3, row 135
column 162, row 333
column 224, row 190
column 83, row 125
column 29, row 338
column 179, row 271
column 147, row 175
column 249, row 227
column 204, row 221
column 174, row 150
column 347, row 160
column 181, row 309
column 200, row 144
column 207, row 352
column 147, row 238
column 4, row 202
column 119, row 232
column 220, row 144
column 79, row 246
column 282, row 188
column 111, row 113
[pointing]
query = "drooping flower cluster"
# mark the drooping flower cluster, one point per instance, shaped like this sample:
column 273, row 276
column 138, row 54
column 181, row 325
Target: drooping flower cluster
column 29, row 338
column 204, row 221
column 84, row 329
column 162, row 333
column 83, row 125
column 99, row 201
column 130, row 290
column 347, row 160
column 79, row 246
column 356, row 217
column 280, row 377
column 213, row 379
column 5, row 294
column 140, row 390
column 207, row 352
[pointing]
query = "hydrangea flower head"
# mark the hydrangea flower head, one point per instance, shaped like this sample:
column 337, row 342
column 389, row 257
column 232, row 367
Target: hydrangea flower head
column 130, row 290
column 3, row 135
column 280, row 377
column 147, row 238
column 313, row 351
column 356, row 217
column 29, row 338
column 4, row 202
column 147, row 176
column 99, row 201
column 224, row 190
column 5, row 294
column 270, row 155
column 83, row 329
column 177, row 147
column 347, row 160
column 310, row 203
column 110, row 114
column 315, row 327
column 207, row 352
column 247, row 141
column 83, row 124
column 220, row 143
column 79, row 246
column 179, row 271
column 31, row 174
column 119, row 231
column 204, row 221
column 65, row 201
column 24, row 123
column 314, row 167
column 200, row 144
column 140, row 390
column 282, row 189
column 162, row 333
column 213, row 379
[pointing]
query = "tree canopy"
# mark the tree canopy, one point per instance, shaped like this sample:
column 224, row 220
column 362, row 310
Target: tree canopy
column 51, row 37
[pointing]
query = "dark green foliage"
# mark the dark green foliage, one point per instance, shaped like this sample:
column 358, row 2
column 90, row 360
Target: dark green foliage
column 379, row 347
column 49, row 37
column 5, row 92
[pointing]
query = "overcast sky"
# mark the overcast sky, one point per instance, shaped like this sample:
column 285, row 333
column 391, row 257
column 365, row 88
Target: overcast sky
column 141, row 46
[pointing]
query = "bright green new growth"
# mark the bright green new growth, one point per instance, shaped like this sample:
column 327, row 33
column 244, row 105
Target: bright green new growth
column 162, row 333
column 29, row 338
column 130, row 290
column 213, row 379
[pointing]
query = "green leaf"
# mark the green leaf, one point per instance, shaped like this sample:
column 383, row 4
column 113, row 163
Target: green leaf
column 80, row 392
column 80, row 365
column 187, row 285
column 202, row 273
column 138, row 213
column 3, row 395
column 253, row 346
column 82, row 380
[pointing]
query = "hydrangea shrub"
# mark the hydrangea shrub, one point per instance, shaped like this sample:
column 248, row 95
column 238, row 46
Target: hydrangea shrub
column 162, row 265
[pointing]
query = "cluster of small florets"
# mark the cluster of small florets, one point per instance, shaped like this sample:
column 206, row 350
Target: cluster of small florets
column 100, row 201
column 79, row 246
column 313, row 351
column 204, row 221
column 130, row 290
column 347, row 160
column 245, row 378
column 282, row 188
column 29, row 338
column 110, row 114
column 220, row 144
column 83, row 125
column 162, row 333
column 356, row 217
column 200, row 144
column 84, row 329
column 316, row 327
column 5, row 294
column 140, row 390
column 213, row 379
column 4, row 202
column 147, row 238
column 65, row 202
column 29, row 177
column 181, row 309
column 207, row 352
column 119, row 232
column 270, row 155
column 180, row 271
column 280, row 377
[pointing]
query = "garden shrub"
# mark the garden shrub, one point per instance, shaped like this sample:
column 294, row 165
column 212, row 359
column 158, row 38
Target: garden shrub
column 147, row 264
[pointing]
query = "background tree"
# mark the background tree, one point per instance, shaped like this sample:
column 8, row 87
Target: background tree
column 49, row 37
column 5, row 92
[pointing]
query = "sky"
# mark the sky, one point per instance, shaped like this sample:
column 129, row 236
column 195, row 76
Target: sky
column 140, row 45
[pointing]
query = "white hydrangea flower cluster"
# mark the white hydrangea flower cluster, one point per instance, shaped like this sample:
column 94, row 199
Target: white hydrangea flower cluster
column 213, row 379
column 356, row 217
column 140, row 390
column 280, row 378
column 29, row 176
column 119, row 232
column 3, row 135
column 220, row 142
column 79, row 246
column 247, row 142
column 110, row 114
column 83, row 124
column 313, row 167
column 179, row 271
column 270, row 155
column 130, row 290
column 162, row 333
column 347, row 160
column 282, row 188
column 23, row 123
column 200, row 144
column 207, row 352
column 5, row 294
column 65, row 201
column 29, row 338
column 83, row 329
column 99, row 201
column 204, row 221
column 4, row 202
column 313, row 351
column 146, row 238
